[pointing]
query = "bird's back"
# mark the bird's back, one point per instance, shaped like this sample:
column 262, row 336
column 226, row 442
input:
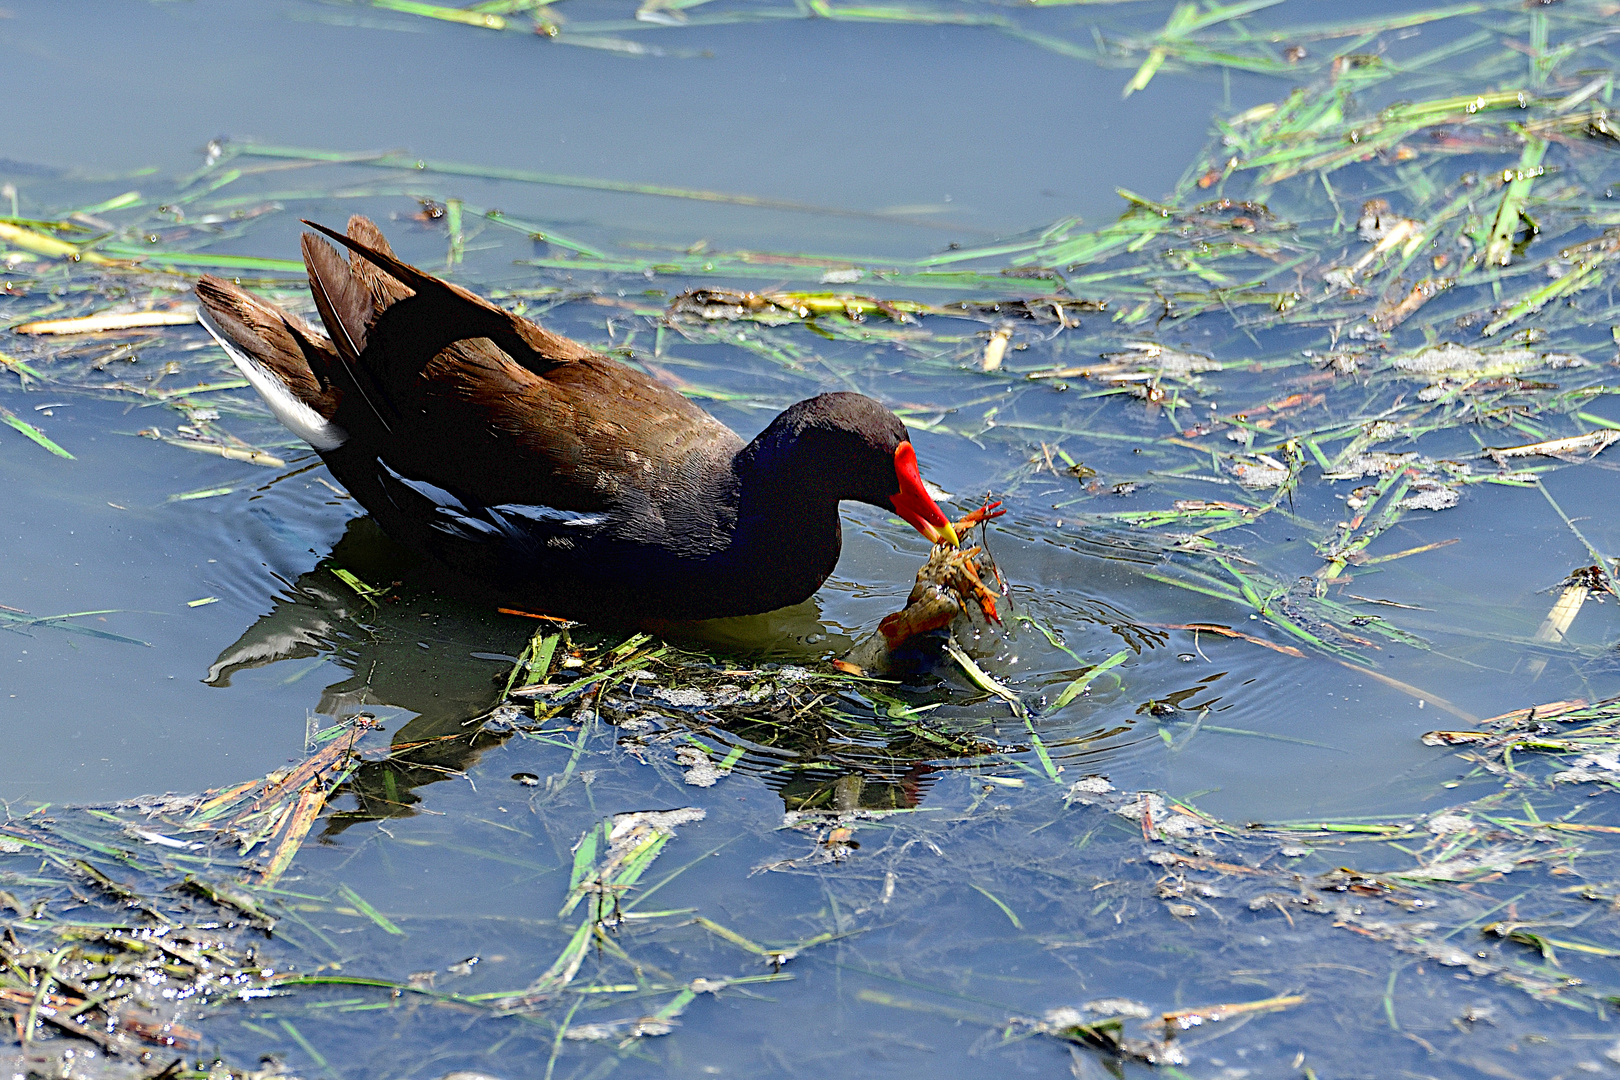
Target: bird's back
column 508, row 452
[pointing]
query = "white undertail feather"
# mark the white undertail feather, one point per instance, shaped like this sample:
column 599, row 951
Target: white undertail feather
column 299, row 418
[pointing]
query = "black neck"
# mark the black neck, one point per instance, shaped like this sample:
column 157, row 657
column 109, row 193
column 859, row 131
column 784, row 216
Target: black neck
column 788, row 537
column 786, row 486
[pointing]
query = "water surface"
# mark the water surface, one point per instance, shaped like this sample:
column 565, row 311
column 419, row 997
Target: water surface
column 978, row 886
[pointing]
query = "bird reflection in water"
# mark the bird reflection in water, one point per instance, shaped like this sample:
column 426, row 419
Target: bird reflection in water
column 813, row 748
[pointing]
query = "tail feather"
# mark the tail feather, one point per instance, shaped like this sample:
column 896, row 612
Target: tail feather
column 286, row 361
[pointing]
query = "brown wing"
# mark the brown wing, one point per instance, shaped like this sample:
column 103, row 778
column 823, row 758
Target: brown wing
column 494, row 408
column 443, row 312
column 586, row 435
column 385, row 289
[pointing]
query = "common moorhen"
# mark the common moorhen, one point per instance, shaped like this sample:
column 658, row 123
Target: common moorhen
column 563, row 479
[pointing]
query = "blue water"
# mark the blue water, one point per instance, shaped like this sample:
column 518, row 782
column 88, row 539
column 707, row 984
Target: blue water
column 897, row 141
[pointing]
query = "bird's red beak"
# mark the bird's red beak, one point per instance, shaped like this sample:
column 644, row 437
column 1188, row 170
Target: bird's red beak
column 914, row 504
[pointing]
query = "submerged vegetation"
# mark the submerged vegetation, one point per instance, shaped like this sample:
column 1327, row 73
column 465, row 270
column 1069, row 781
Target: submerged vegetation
column 1381, row 299
column 138, row 927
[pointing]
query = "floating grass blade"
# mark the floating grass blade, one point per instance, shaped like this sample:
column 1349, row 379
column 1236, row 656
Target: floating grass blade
column 443, row 13
column 1078, row 686
column 16, row 423
column 1499, row 251
column 370, row 912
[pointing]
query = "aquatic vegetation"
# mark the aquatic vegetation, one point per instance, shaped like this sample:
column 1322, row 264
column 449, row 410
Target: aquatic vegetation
column 1253, row 413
